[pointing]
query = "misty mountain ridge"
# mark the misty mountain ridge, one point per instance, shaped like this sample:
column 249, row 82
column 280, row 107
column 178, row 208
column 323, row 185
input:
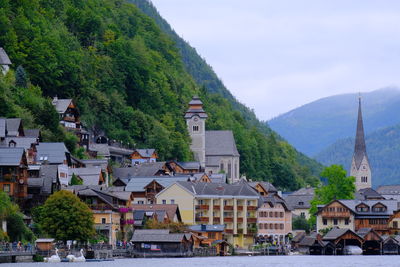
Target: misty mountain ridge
column 313, row 127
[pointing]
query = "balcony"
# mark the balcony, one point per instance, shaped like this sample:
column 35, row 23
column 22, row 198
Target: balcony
column 216, row 220
column 228, row 207
column 228, row 219
column 332, row 214
column 202, row 207
column 251, row 207
column 100, row 207
column 239, row 220
column 239, row 207
column 240, row 231
column 9, row 178
column 202, row 219
column 229, row 231
column 217, row 207
column 251, row 220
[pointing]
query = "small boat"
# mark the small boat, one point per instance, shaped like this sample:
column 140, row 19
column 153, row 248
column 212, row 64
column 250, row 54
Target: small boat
column 54, row 258
column 352, row 250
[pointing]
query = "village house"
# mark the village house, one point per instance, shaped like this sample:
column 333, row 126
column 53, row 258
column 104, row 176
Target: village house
column 206, row 235
column 14, row 173
column 215, row 150
column 234, row 205
column 145, row 189
column 274, row 219
column 299, row 202
column 161, row 242
column 5, row 61
column 112, row 214
column 389, row 191
column 88, row 176
column 162, row 213
column 357, row 214
column 143, row 155
column 53, row 154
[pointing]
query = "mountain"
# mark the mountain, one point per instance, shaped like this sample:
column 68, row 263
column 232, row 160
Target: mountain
column 131, row 80
column 313, row 127
column 383, row 148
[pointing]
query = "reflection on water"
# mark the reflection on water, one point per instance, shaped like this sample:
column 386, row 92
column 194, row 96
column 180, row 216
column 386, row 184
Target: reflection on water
column 286, row 261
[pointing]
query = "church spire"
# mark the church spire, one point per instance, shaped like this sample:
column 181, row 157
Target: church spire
column 359, row 147
column 360, row 167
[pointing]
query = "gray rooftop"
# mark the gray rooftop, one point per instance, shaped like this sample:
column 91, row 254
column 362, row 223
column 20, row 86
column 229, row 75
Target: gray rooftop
column 2, row 127
column 24, row 142
column 89, row 176
column 35, row 133
column 220, row 143
column 207, row 227
column 336, row 233
column 146, row 153
column 392, row 205
column 101, row 149
column 144, row 169
column 61, row 105
column 156, row 236
column 4, row 59
column 190, row 165
column 137, row 184
column 49, row 174
column 11, row 156
column 54, row 152
column 220, row 189
column 389, row 189
column 12, row 126
column 368, row 193
column 300, row 199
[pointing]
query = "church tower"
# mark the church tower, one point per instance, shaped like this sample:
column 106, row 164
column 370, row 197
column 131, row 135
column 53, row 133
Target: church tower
column 196, row 122
column 360, row 167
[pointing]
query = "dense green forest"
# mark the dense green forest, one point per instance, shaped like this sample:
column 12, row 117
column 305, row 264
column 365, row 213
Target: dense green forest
column 383, row 148
column 128, row 79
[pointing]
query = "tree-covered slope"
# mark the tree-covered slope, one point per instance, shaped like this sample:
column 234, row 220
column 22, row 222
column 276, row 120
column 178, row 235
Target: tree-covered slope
column 128, row 79
column 313, row 127
column 383, row 148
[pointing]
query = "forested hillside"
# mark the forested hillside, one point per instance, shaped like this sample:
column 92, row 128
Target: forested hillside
column 383, row 147
column 128, row 79
column 313, row 127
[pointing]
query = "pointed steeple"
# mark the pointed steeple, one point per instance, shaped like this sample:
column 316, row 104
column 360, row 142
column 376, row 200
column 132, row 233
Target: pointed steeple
column 359, row 147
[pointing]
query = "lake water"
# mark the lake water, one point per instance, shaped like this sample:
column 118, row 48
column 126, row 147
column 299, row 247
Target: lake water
column 276, row 261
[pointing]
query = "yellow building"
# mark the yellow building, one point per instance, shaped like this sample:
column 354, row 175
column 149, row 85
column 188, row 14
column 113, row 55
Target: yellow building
column 233, row 205
column 112, row 213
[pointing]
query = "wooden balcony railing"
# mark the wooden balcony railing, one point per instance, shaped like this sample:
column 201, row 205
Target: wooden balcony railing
column 229, row 231
column 239, row 220
column 228, row 219
column 251, row 207
column 217, row 220
column 251, row 220
column 202, row 207
column 239, row 207
column 325, row 214
column 217, row 207
column 202, row 219
column 228, row 207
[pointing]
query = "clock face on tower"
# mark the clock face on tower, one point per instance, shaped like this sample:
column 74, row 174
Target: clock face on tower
column 196, row 119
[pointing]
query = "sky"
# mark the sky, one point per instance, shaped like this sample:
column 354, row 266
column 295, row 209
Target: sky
column 278, row 55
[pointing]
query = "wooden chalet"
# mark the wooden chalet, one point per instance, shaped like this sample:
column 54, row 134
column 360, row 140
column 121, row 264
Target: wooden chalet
column 14, row 172
column 140, row 156
column 372, row 244
column 341, row 237
column 390, row 245
column 184, row 167
column 357, row 214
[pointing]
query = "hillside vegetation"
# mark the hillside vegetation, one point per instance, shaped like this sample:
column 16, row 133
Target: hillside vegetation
column 383, row 148
column 128, row 79
column 313, row 127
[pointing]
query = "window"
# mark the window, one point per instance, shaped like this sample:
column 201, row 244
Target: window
column 211, row 235
column 248, row 203
column 395, row 224
column 103, row 220
column 281, row 226
column 222, row 166
column 6, row 188
column 201, row 202
column 195, row 128
column 346, row 221
column 335, row 221
column 172, row 201
column 164, row 201
column 302, row 214
column 261, row 214
column 140, row 202
column 301, row 203
column 271, row 226
column 265, row 225
column 325, row 221
column 276, row 214
column 281, row 214
column 271, row 214
column 261, row 226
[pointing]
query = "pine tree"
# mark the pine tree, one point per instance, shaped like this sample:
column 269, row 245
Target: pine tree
column 21, row 78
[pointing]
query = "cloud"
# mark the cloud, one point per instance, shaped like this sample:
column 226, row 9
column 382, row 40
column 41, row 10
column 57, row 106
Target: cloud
column 277, row 55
